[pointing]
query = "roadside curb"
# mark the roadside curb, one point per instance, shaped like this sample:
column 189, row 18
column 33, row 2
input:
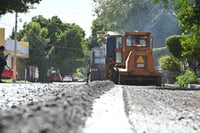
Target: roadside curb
column 190, row 86
column 171, row 85
column 193, row 86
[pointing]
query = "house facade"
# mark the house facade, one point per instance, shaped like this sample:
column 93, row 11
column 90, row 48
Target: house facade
column 22, row 52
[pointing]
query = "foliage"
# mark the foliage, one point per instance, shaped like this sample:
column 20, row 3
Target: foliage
column 177, row 4
column 191, row 48
column 54, row 43
column 170, row 63
column 113, row 15
column 189, row 16
column 110, row 16
column 111, row 12
column 173, row 43
column 16, row 6
column 36, row 36
column 159, row 52
column 80, row 72
column 189, row 77
column 188, row 13
column 134, row 15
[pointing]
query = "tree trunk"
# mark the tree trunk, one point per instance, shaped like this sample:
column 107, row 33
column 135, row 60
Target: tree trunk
column 43, row 72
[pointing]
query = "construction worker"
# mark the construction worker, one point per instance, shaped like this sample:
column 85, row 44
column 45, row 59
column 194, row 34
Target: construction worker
column 88, row 72
column 3, row 62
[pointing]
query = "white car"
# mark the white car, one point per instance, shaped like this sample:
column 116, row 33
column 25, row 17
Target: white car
column 198, row 80
column 67, row 78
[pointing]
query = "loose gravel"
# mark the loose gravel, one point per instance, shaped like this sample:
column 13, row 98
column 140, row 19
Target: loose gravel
column 64, row 108
column 162, row 110
column 47, row 108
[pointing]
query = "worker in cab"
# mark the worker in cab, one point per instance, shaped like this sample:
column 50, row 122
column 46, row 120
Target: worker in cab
column 137, row 42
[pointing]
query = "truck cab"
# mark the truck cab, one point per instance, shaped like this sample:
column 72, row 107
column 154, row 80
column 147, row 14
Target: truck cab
column 134, row 62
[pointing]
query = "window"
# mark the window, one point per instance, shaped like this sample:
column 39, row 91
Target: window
column 99, row 61
column 129, row 41
column 99, row 53
column 118, row 42
column 143, row 42
column 136, row 40
column 118, row 57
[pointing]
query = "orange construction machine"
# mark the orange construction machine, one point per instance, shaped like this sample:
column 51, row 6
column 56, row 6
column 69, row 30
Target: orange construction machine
column 129, row 59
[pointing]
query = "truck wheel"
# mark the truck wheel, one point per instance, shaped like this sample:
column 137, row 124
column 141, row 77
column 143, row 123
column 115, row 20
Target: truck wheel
column 158, row 81
column 114, row 76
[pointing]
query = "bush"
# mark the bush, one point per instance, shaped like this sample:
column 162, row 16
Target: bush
column 80, row 72
column 170, row 63
column 174, row 45
column 189, row 77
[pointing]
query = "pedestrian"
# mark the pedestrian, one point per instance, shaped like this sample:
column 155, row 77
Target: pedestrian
column 3, row 62
column 88, row 73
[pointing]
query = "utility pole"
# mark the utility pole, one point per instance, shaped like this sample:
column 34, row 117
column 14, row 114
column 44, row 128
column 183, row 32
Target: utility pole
column 15, row 50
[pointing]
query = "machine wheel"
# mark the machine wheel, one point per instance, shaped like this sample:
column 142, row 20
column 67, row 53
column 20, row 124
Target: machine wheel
column 158, row 81
column 114, row 76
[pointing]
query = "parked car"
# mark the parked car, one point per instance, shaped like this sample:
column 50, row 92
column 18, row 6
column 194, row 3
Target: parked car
column 7, row 72
column 67, row 78
column 198, row 80
column 55, row 77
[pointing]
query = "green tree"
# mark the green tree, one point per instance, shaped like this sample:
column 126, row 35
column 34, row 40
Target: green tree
column 16, row 6
column 54, row 43
column 170, row 63
column 36, row 36
column 98, row 27
column 173, row 43
column 189, row 19
column 111, row 15
column 134, row 15
column 191, row 48
column 189, row 77
column 189, row 15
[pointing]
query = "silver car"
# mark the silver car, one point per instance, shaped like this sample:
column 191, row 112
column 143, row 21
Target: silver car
column 67, row 78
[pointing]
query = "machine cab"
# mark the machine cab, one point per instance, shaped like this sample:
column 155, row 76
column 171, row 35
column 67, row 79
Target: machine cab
column 114, row 48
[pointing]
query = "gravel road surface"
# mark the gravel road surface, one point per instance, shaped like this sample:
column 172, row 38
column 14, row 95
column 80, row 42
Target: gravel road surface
column 47, row 108
column 162, row 110
column 98, row 106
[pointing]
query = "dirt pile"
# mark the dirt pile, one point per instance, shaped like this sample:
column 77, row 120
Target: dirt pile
column 61, row 111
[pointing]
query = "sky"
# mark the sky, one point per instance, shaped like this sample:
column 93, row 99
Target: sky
column 79, row 12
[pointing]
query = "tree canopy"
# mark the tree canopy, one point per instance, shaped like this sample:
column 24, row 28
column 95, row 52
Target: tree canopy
column 16, row 5
column 135, row 15
column 189, row 18
column 174, row 45
column 54, row 43
column 120, row 15
column 188, row 12
column 170, row 63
